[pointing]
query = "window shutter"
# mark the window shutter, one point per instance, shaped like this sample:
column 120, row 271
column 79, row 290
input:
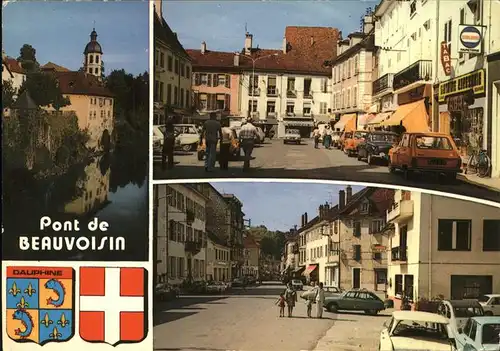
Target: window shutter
column 215, row 80
column 197, row 79
column 228, row 81
column 228, row 102
column 209, row 80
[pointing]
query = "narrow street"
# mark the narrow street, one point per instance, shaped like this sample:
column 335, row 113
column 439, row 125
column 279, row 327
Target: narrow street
column 273, row 159
column 249, row 321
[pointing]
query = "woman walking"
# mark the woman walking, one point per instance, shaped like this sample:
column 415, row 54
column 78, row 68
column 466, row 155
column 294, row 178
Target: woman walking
column 291, row 298
column 328, row 136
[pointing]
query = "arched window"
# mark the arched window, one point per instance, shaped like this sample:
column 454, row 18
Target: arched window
column 90, row 70
column 97, row 71
column 96, row 58
column 91, row 58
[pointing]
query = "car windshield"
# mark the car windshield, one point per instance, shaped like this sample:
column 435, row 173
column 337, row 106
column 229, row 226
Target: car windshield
column 292, row 131
column 431, row 142
column 483, row 298
column 417, row 329
column 491, row 334
column 383, row 137
column 467, row 312
column 359, row 135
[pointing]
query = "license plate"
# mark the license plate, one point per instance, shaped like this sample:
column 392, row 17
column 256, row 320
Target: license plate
column 437, row 162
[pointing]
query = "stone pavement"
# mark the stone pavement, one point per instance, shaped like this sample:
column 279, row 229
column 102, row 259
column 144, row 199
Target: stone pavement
column 492, row 184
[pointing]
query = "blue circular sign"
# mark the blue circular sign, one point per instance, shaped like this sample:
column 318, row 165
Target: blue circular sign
column 470, row 37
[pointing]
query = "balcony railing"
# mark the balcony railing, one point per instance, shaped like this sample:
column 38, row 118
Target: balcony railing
column 255, row 114
column 272, row 91
column 399, row 253
column 291, row 94
column 420, row 71
column 308, row 94
column 254, row 91
column 193, row 247
column 271, row 114
column 382, row 84
column 400, row 211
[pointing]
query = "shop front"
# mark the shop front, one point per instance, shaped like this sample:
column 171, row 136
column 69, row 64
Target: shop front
column 493, row 129
column 375, row 122
column 347, row 123
column 411, row 117
column 311, row 273
column 304, row 125
column 462, row 102
column 266, row 124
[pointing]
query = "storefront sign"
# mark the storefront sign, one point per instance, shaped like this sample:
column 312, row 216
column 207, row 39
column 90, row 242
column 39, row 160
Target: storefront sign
column 445, row 58
column 456, row 103
column 471, row 81
column 470, row 39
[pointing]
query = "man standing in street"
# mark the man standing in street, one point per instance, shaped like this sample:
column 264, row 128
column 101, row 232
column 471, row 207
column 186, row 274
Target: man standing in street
column 320, row 300
column 315, row 135
column 225, row 144
column 167, row 153
column 248, row 133
column 212, row 132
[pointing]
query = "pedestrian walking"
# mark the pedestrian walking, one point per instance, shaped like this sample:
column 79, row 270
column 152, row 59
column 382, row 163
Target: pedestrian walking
column 327, row 137
column 290, row 298
column 212, row 133
column 315, row 135
column 281, row 304
column 248, row 133
column 320, row 300
column 167, row 152
column 225, row 145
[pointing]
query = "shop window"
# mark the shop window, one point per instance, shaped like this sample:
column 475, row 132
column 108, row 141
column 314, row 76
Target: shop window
column 491, row 235
column 454, row 235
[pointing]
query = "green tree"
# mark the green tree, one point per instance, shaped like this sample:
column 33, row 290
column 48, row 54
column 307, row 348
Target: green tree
column 27, row 58
column 8, row 93
column 44, row 90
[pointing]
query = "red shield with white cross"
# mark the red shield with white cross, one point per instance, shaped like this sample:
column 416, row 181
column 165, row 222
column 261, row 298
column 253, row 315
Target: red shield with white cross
column 113, row 304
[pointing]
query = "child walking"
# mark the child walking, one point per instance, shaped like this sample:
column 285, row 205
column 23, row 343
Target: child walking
column 281, row 304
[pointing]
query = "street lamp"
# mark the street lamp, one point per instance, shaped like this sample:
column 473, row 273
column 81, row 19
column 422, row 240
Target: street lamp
column 254, row 60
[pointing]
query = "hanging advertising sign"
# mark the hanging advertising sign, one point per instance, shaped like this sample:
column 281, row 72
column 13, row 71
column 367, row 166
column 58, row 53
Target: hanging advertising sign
column 470, row 39
column 446, row 58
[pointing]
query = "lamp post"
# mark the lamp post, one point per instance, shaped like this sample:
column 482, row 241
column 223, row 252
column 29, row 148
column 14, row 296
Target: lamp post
column 254, row 60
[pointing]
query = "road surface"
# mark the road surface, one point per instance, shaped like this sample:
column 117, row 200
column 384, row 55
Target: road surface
column 276, row 160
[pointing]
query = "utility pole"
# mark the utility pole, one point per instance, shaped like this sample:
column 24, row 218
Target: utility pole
column 435, row 104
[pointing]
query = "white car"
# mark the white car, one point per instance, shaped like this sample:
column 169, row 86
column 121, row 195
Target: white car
column 188, row 136
column 297, row 284
column 292, row 136
column 157, row 139
column 216, row 287
column 480, row 333
column 459, row 311
column 415, row 330
column 490, row 304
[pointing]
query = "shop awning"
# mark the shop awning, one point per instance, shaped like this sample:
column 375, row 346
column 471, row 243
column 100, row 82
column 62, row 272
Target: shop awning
column 379, row 118
column 310, row 269
column 364, row 119
column 298, row 269
column 412, row 116
column 299, row 123
column 344, row 120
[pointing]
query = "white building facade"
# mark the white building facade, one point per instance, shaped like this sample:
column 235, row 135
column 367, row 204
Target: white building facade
column 218, row 260
column 12, row 72
column 442, row 247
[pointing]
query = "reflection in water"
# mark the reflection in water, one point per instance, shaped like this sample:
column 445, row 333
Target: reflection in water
column 111, row 187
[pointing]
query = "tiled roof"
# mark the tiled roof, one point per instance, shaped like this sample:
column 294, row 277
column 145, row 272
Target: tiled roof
column 163, row 32
column 381, row 199
column 13, row 65
column 249, row 242
column 308, row 50
column 79, row 83
column 52, row 66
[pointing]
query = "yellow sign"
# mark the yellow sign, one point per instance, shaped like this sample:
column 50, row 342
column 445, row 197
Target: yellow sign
column 474, row 81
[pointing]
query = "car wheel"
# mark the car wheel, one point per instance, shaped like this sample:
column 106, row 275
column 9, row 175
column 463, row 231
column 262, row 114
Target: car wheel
column 369, row 159
column 201, row 155
column 488, row 313
column 371, row 312
column 332, row 307
column 359, row 156
column 187, row 147
column 194, row 147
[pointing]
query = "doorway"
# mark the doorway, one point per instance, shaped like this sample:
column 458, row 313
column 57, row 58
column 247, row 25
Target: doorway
column 356, row 278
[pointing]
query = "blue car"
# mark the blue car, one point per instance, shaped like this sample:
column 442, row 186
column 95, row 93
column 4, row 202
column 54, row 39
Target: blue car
column 479, row 334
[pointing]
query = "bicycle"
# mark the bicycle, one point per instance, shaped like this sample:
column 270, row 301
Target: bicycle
column 479, row 163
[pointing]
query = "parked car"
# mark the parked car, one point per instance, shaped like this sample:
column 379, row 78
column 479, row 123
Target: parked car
column 292, row 136
column 343, row 137
column 158, row 136
column 188, row 136
column 238, row 282
column 261, row 136
column 426, row 152
column 234, row 149
column 459, row 311
column 480, row 333
column 490, row 304
column 165, row 292
column 297, row 284
column 354, row 300
column 216, row 287
column 416, row 330
column 332, row 291
column 351, row 144
column 376, row 146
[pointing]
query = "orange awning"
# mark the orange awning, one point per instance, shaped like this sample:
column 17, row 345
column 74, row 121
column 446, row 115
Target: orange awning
column 412, row 116
column 363, row 120
column 341, row 124
column 310, row 269
column 350, row 126
column 380, row 118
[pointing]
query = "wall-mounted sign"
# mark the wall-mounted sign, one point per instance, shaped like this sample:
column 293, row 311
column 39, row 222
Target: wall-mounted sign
column 471, row 81
column 446, row 58
column 470, row 39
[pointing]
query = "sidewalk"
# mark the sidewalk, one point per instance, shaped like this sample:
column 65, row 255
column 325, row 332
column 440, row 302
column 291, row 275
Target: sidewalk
column 492, row 184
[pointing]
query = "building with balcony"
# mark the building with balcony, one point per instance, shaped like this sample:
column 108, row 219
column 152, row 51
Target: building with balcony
column 180, row 233
column 172, row 75
column 290, row 86
column 442, row 247
column 352, row 77
column 218, row 259
column 216, row 81
column 405, row 34
column 252, row 257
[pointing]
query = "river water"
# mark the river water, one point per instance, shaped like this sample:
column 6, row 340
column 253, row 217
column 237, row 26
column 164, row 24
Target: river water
column 112, row 188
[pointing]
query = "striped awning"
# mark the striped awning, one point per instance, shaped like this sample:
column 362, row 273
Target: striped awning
column 379, row 118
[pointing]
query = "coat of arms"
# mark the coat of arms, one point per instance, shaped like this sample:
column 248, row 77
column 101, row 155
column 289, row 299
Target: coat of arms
column 40, row 304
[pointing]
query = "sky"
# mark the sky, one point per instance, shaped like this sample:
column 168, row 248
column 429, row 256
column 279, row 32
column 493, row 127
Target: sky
column 221, row 24
column 59, row 31
column 279, row 206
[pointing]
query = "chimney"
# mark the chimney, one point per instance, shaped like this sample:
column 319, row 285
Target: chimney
column 203, row 47
column 367, row 24
column 248, row 43
column 158, row 8
column 236, row 59
column 327, row 207
column 302, row 220
column 348, row 194
column 312, row 40
column 285, row 45
column 305, row 218
column 341, row 199
column 321, row 211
